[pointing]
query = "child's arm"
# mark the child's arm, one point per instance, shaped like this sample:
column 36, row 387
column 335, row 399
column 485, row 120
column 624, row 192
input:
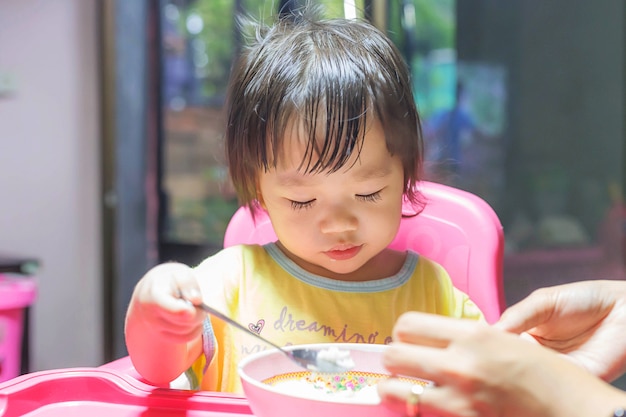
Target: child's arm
column 163, row 332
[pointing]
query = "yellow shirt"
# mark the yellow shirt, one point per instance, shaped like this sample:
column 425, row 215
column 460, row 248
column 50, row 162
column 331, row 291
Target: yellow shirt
column 263, row 289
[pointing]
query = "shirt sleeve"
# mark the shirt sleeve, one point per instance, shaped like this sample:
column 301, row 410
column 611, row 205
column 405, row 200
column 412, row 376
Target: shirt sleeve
column 466, row 308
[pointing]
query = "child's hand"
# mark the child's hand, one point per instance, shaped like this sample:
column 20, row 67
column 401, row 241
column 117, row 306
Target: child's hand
column 159, row 302
column 163, row 331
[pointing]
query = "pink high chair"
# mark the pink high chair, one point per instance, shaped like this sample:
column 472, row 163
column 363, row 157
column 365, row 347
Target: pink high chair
column 456, row 228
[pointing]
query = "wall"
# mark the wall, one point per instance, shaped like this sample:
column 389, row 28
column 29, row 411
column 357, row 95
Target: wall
column 50, row 171
column 572, row 90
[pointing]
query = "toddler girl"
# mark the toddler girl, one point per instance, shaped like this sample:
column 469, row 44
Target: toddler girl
column 323, row 134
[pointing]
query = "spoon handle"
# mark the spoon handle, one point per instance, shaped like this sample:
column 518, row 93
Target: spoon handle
column 204, row 307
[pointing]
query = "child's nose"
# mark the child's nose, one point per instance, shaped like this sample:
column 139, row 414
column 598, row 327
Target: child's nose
column 338, row 220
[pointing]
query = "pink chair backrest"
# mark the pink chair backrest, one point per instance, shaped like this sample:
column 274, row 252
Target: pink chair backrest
column 457, row 229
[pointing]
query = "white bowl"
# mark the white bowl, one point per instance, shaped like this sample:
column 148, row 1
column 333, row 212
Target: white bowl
column 277, row 387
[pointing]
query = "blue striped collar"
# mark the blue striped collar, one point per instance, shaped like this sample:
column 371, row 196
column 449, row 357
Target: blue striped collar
column 377, row 285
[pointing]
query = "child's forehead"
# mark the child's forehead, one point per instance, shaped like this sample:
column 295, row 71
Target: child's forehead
column 300, row 147
column 325, row 127
column 358, row 171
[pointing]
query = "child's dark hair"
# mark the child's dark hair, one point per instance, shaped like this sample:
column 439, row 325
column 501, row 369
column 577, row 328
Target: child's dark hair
column 328, row 75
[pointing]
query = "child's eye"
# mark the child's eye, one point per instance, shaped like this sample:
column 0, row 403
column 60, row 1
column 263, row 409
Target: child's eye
column 299, row 205
column 370, row 197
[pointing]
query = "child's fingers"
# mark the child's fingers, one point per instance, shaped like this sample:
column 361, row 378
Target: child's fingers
column 188, row 289
column 172, row 284
column 180, row 331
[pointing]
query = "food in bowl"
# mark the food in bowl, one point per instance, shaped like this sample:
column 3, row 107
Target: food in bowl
column 276, row 387
column 351, row 386
column 336, row 356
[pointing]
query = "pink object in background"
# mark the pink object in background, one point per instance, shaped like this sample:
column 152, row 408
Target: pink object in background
column 457, row 229
column 15, row 295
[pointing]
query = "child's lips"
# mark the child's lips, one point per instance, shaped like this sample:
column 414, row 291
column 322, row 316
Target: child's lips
column 343, row 252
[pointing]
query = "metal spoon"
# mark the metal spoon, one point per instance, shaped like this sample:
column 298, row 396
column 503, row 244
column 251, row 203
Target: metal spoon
column 305, row 357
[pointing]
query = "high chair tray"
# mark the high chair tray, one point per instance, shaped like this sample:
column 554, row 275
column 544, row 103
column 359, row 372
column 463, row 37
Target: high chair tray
column 98, row 392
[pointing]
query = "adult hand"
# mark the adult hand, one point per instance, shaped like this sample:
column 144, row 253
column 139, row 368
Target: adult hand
column 586, row 321
column 479, row 370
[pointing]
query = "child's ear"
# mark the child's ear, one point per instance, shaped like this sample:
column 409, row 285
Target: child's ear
column 259, row 196
column 259, row 199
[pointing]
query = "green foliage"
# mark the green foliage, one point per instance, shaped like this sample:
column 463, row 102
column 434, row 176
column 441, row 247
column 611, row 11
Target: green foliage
column 435, row 22
column 216, row 44
column 334, row 8
column 431, row 27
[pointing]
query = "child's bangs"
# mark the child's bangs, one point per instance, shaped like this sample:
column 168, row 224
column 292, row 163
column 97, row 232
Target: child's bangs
column 329, row 116
column 331, row 130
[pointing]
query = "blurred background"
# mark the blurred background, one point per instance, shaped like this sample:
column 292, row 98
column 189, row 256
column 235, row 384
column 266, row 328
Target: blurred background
column 111, row 121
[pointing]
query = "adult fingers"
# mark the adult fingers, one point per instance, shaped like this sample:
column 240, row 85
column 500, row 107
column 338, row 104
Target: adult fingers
column 417, row 361
column 430, row 329
column 581, row 304
column 530, row 312
column 436, row 400
column 394, row 393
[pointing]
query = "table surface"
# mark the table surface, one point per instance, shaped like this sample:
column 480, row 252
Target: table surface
column 97, row 392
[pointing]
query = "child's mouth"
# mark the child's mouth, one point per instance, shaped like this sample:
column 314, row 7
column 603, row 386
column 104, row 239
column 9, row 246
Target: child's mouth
column 341, row 254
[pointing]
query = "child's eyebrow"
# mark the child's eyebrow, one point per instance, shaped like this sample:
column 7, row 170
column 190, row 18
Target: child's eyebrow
column 292, row 179
column 295, row 179
column 367, row 173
